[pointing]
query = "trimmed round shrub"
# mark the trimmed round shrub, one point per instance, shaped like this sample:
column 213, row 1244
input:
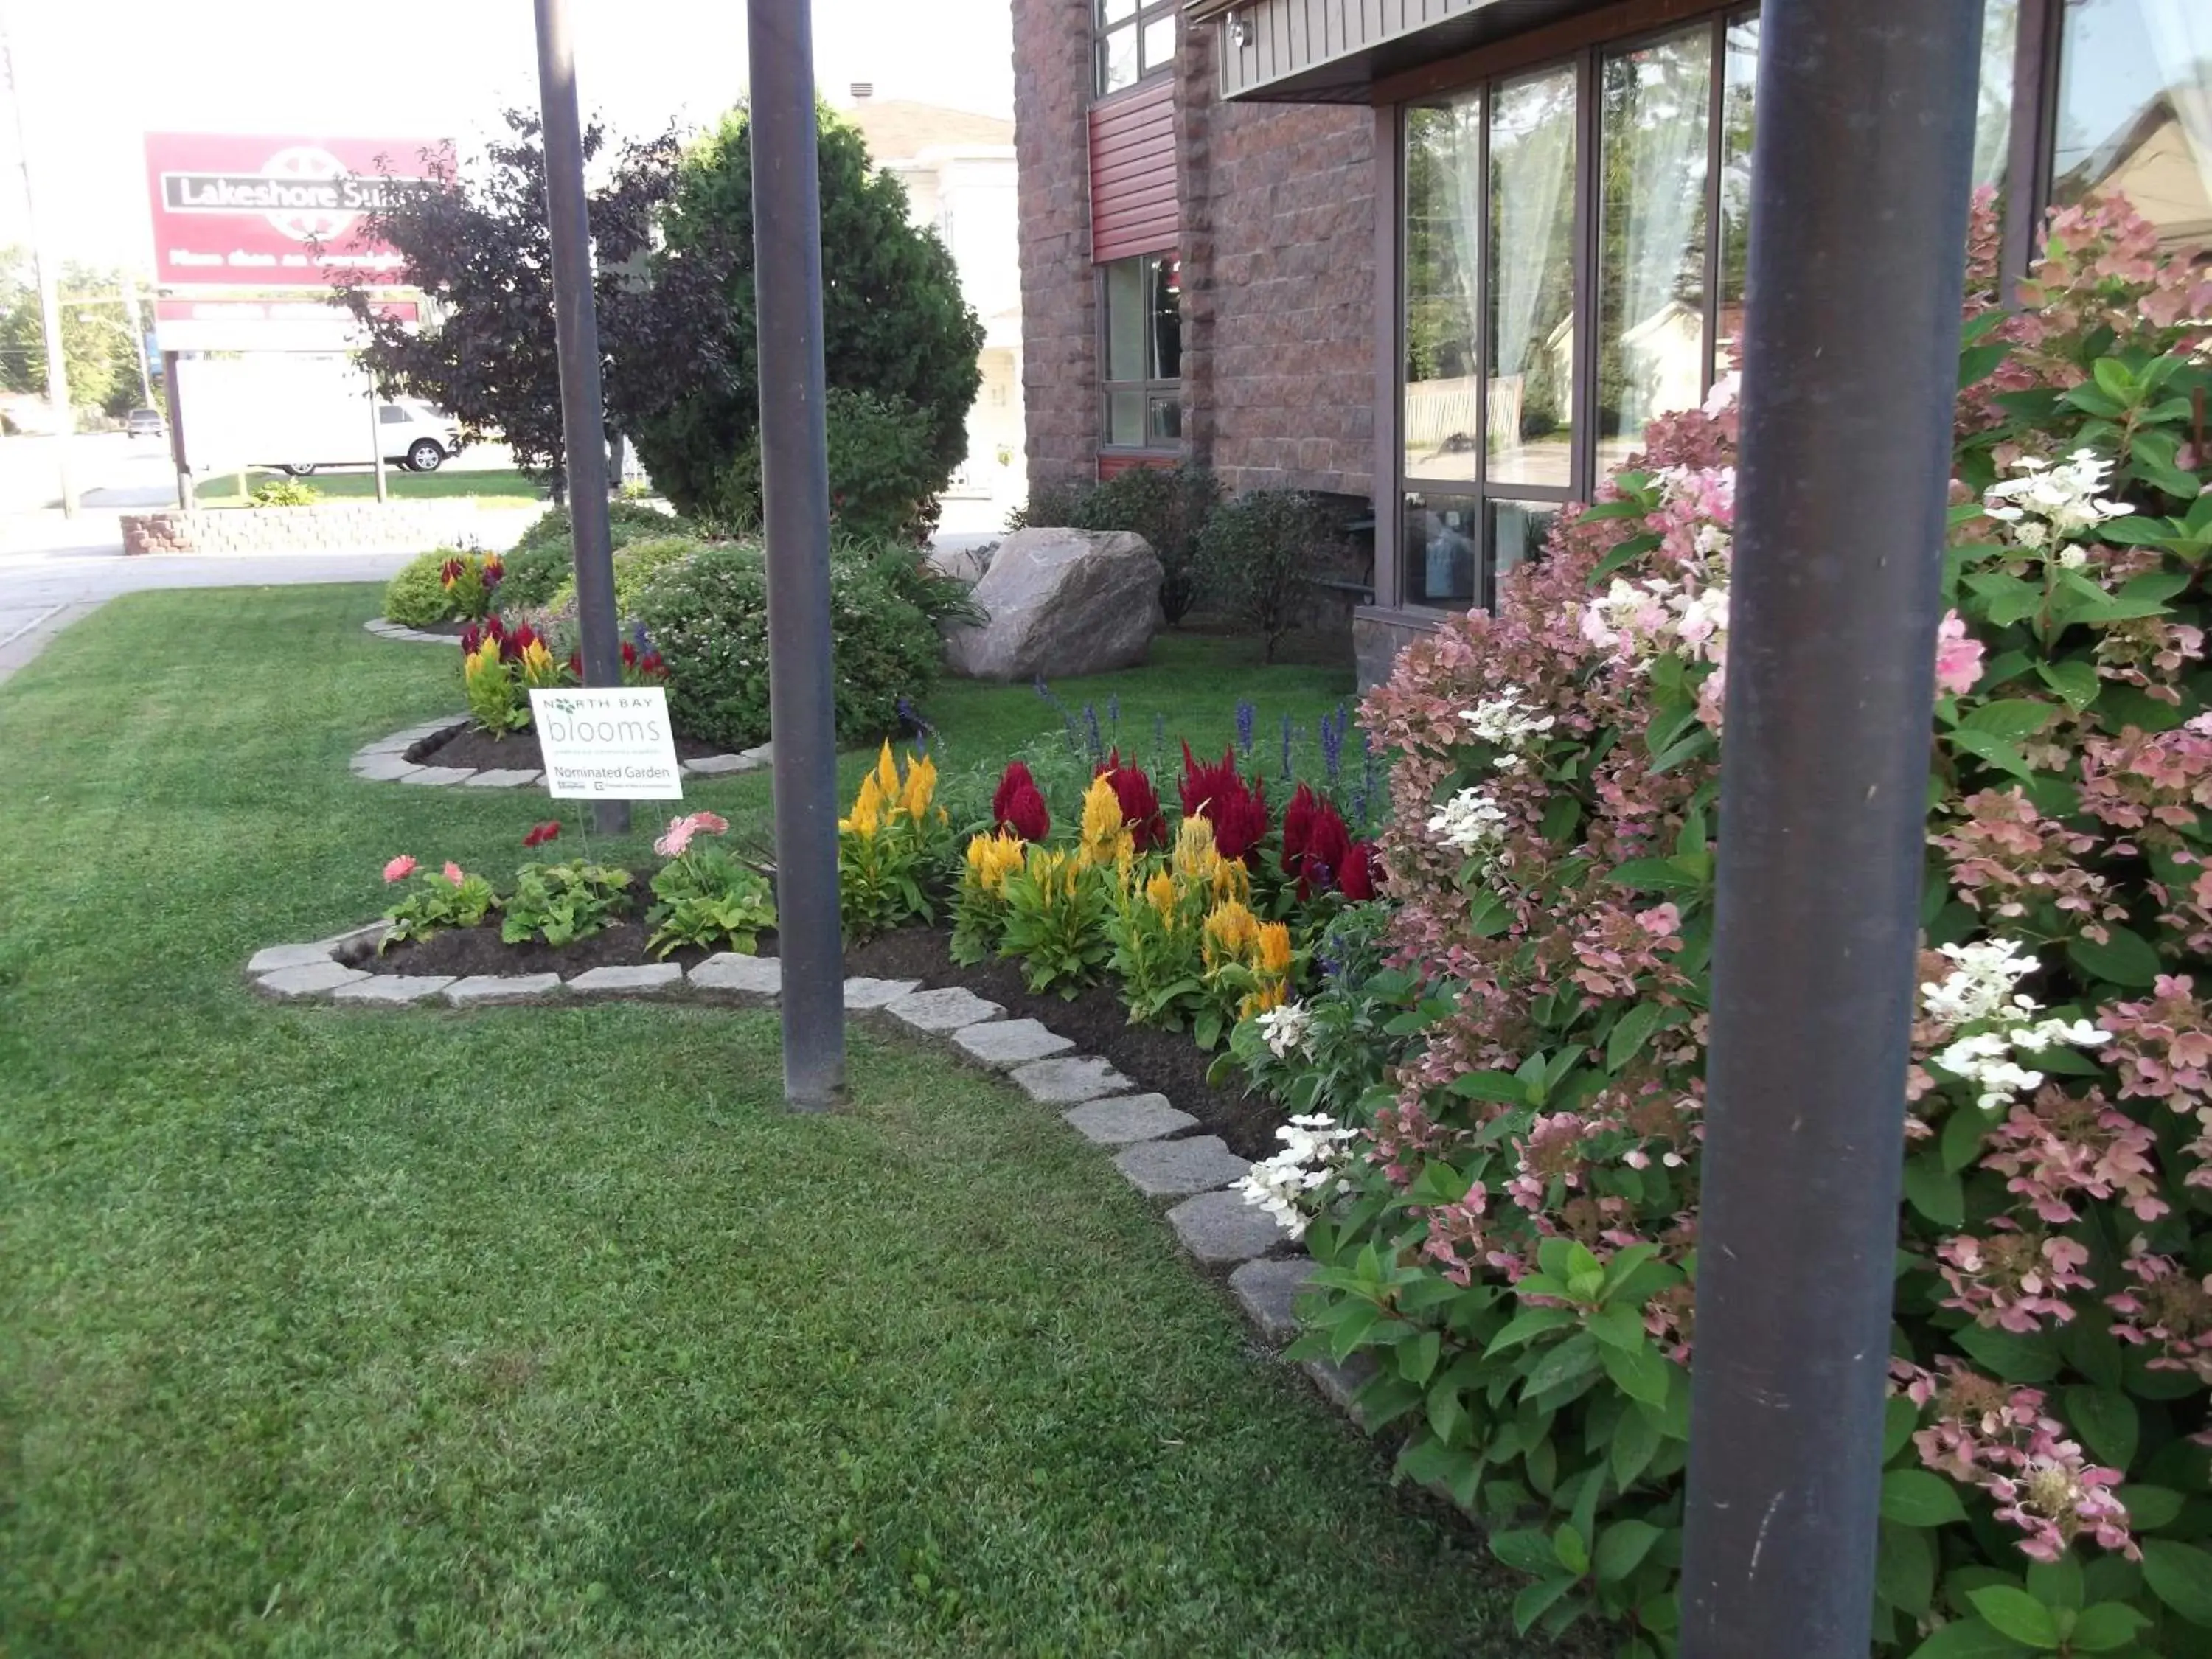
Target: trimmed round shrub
column 543, row 558
column 707, row 617
column 884, row 476
column 635, row 565
column 1256, row 558
column 416, row 596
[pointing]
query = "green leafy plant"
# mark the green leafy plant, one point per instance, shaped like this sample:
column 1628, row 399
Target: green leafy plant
column 1055, row 926
column 705, row 896
column 1156, row 927
column 979, row 904
column 1257, row 558
column 283, row 492
column 543, row 557
column 439, row 899
column 1171, row 507
column 560, row 903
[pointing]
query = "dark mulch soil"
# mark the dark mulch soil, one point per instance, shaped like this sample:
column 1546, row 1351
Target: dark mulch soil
column 480, row 951
column 518, row 749
column 451, row 629
column 1097, row 1023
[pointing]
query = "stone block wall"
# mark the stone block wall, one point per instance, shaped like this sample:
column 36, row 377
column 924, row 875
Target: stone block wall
column 329, row 527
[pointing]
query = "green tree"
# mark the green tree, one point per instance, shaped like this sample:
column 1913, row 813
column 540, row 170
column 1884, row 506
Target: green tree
column 684, row 361
column 97, row 351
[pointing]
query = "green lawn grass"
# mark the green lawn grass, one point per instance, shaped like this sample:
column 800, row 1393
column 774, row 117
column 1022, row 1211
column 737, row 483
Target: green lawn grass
column 335, row 1332
column 501, row 487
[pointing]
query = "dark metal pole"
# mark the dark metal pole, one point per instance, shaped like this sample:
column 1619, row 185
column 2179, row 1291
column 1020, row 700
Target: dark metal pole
column 795, row 491
column 1860, row 177
column 576, row 329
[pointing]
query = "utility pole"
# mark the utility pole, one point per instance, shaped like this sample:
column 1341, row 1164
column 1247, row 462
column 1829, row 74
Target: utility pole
column 1861, row 169
column 576, row 328
column 795, row 492
column 49, row 312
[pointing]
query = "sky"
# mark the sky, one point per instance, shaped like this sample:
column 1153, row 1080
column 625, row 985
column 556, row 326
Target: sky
column 94, row 76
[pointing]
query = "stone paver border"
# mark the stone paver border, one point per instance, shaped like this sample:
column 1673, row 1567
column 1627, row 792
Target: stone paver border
column 1191, row 1178
column 386, row 760
column 385, row 629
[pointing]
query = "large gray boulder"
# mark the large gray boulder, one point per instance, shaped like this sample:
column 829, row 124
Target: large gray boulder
column 1061, row 602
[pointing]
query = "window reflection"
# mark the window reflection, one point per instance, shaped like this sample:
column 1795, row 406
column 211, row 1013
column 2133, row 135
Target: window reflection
column 2135, row 110
column 1654, row 112
column 1530, row 401
column 1443, row 287
column 1519, row 532
column 1442, row 537
column 1740, row 74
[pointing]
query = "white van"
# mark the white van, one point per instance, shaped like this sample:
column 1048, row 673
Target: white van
column 416, row 436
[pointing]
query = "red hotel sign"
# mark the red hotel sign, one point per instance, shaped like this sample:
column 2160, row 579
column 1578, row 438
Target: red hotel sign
column 246, row 210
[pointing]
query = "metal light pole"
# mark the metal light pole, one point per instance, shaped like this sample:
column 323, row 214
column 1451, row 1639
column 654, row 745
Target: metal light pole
column 576, row 328
column 1860, row 177
column 795, row 489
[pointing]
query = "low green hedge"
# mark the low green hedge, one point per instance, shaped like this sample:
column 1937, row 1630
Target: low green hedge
column 416, row 596
column 543, row 557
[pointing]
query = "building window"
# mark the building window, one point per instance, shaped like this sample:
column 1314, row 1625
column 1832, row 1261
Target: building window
column 2135, row 110
column 1574, row 240
column 1140, row 303
column 1136, row 39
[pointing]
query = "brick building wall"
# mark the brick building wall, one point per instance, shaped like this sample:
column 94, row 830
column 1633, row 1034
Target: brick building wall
column 1052, row 137
column 1277, row 242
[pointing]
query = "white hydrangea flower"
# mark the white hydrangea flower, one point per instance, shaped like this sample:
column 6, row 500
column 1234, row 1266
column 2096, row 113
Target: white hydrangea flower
column 1984, row 1060
column 2048, row 505
column 1313, row 1151
column 1508, row 725
column 1982, row 984
column 1470, row 821
column 1286, row 1028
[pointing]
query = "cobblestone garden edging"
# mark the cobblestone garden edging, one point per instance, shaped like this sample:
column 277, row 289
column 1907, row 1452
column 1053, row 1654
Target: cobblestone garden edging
column 1146, row 1135
column 386, row 761
column 385, row 629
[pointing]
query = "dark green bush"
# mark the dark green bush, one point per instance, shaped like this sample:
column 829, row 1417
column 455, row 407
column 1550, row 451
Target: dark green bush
column 884, row 476
column 707, row 617
column 1170, row 507
column 636, row 563
column 543, row 558
column 1256, row 558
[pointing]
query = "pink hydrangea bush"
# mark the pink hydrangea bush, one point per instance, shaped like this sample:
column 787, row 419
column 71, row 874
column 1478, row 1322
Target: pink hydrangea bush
column 1512, row 1234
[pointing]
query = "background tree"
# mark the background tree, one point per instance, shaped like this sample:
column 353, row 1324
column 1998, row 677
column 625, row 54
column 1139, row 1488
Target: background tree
column 684, row 370
column 97, row 349
column 479, row 247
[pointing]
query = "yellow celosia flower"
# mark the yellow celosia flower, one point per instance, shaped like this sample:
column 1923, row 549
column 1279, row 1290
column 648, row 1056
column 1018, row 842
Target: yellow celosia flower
column 867, row 809
column 1231, row 931
column 1198, row 862
column 485, row 656
column 992, row 858
column 1271, row 949
column 536, row 658
column 921, row 784
column 1105, row 838
column 1165, row 896
column 1267, row 996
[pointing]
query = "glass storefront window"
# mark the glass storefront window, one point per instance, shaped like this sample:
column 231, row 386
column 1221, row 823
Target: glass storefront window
column 1655, row 108
column 1530, row 392
column 1443, row 547
column 1518, row 531
column 2135, row 110
column 1442, row 433
column 1740, row 72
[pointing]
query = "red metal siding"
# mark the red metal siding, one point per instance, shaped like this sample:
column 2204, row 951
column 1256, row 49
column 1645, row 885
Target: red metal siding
column 1133, row 204
column 1112, row 462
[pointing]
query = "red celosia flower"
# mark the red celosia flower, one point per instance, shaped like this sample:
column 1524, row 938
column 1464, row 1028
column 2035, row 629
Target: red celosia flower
column 650, row 663
column 451, row 572
column 511, row 645
column 493, row 572
column 1356, row 881
column 1026, row 814
column 1140, row 802
column 1015, row 777
column 576, row 663
column 471, row 637
column 630, row 653
column 1236, row 810
column 1316, row 844
column 541, row 833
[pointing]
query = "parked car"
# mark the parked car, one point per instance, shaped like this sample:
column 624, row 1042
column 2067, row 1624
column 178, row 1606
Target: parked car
column 145, row 423
column 415, row 435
